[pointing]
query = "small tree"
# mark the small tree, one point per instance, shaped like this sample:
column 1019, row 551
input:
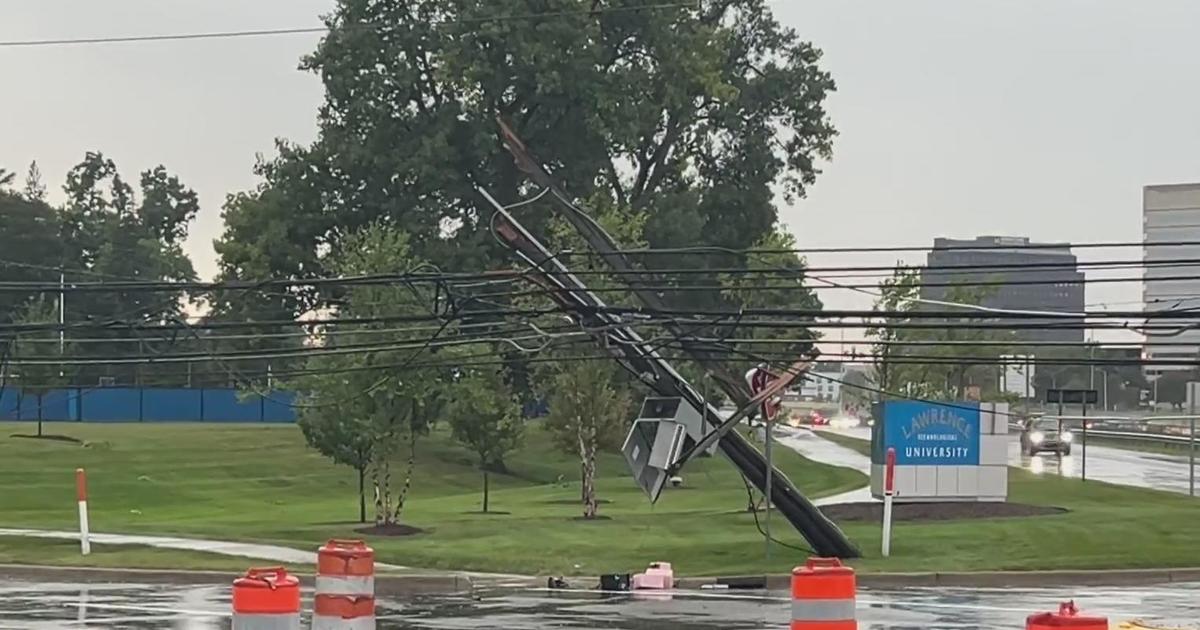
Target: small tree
column 588, row 411
column 337, row 423
column 486, row 417
column 39, row 379
column 385, row 405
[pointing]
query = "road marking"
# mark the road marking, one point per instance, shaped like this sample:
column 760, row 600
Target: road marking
column 151, row 609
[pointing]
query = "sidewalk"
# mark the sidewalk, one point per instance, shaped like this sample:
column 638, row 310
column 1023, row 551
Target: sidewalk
column 818, row 449
column 283, row 555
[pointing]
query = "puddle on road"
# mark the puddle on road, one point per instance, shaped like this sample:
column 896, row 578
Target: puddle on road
column 27, row 606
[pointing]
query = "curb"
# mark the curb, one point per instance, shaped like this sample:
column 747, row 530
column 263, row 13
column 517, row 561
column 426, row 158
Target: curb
column 385, row 585
column 404, row 585
column 1123, row 577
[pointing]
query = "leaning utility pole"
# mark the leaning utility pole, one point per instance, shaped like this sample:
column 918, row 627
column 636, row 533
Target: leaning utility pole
column 643, row 360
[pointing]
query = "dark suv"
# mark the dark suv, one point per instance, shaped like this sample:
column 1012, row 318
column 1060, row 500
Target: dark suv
column 1042, row 435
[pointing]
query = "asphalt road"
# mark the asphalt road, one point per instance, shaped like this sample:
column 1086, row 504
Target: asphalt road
column 1112, row 465
column 131, row 606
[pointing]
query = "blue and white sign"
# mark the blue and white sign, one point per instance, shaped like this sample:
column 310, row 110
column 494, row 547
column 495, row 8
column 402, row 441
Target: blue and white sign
column 928, row 434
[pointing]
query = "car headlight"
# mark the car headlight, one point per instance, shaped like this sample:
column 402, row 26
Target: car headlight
column 1037, row 437
column 1067, row 436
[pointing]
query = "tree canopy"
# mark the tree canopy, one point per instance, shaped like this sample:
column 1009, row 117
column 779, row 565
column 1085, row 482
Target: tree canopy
column 935, row 362
column 694, row 116
column 105, row 231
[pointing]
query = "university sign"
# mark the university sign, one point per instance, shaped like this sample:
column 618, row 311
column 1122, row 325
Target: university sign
column 945, row 451
column 926, row 434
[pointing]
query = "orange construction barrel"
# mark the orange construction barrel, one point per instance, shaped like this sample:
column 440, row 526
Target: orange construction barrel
column 345, row 595
column 266, row 599
column 824, row 596
column 1067, row 617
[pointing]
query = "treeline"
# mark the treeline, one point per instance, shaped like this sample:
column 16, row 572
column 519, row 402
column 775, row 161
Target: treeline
column 106, row 229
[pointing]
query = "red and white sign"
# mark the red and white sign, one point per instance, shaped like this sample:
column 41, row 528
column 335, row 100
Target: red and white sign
column 759, row 379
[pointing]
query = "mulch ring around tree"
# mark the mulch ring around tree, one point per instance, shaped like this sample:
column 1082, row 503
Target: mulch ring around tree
column 873, row 512
column 394, row 530
column 53, row 438
column 574, row 502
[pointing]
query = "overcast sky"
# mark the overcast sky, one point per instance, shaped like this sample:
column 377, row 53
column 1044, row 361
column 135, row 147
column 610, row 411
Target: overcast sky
column 1039, row 118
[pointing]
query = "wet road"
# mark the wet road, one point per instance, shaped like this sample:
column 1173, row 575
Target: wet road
column 1112, row 465
column 46, row 606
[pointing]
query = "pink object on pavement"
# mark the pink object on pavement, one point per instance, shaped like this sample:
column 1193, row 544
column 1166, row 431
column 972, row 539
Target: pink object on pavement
column 658, row 577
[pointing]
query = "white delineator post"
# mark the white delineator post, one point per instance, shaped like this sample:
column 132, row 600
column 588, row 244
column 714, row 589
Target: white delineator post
column 889, row 489
column 85, row 545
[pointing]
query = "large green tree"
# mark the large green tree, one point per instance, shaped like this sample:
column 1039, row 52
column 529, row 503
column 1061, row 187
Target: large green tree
column 695, row 115
column 30, row 249
column 936, row 357
column 110, row 232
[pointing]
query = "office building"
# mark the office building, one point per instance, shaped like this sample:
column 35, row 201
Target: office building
column 1170, row 213
column 824, row 383
column 1015, row 274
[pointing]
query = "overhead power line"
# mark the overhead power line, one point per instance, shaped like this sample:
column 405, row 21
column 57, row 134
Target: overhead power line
column 505, row 276
column 246, row 378
column 314, row 30
column 706, row 249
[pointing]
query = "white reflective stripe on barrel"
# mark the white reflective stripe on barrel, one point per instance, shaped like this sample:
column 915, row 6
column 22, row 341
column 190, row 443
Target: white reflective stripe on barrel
column 325, row 622
column 287, row 621
column 355, row 585
column 823, row 609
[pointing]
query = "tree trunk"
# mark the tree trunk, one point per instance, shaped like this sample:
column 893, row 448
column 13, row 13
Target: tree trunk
column 387, row 493
column 485, row 490
column 587, row 453
column 379, row 513
column 362, row 495
column 39, row 401
column 408, row 475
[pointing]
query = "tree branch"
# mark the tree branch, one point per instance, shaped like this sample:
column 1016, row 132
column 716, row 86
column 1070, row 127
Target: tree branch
column 652, row 171
column 616, row 183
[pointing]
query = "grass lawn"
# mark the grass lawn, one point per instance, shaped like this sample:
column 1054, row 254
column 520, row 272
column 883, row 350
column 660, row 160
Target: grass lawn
column 261, row 484
column 1108, row 527
column 852, row 443
column 41, row 551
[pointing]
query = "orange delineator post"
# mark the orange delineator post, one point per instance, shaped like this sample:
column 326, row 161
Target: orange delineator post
column 1067, row 617
column 345, row 595
column 824, row 596
column 266, row 599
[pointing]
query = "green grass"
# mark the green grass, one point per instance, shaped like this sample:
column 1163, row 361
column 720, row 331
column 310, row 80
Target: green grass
column 41, row 551
column 852, row 443
column 1107, row 527
column 261, row 484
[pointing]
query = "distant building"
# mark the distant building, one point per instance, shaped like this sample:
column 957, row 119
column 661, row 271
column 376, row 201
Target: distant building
column 824, row 382
column 1170, row 213
column 1020, row 275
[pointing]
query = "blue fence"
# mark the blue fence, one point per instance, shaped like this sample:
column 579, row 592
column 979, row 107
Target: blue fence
column 127, row 404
